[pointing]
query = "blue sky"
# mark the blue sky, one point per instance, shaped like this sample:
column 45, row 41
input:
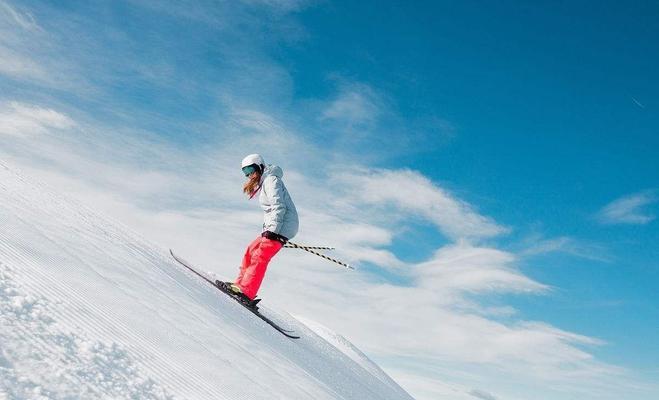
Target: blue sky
column 520, row 137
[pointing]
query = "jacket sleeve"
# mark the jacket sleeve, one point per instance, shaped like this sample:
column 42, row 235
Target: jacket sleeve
column 274, row 189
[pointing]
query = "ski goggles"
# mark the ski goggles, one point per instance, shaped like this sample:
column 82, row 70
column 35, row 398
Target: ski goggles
column 249, row 170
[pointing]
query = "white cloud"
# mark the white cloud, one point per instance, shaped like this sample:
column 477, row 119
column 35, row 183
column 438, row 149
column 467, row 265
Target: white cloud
column 483, row 395
column 415, row 194
column 19, row 119
column 360, row 116
column 31, row 55
column 631, row 209
column 536, row 244
column 462, row 267
column 430, row 388
column 20, row 66
column 259, row 122
column 355, row 105
column 25, row 20
column 280, row 5
column 15, row 29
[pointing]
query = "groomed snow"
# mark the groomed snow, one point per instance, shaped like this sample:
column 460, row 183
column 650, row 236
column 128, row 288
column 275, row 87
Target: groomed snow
column 89, row 310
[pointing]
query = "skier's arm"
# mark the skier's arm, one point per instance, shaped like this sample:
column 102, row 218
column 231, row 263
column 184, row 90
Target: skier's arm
column 274, row 189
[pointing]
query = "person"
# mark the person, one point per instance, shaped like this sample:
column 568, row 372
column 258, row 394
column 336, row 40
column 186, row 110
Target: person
column 280, row 223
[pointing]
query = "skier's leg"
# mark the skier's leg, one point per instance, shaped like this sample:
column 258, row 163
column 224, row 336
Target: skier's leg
column 254, row 273
column 247, row 259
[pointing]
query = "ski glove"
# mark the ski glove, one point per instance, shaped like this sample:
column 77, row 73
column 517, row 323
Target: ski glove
column 274, row 236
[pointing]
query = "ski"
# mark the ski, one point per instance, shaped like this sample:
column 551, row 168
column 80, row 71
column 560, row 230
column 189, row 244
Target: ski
column 253, row 310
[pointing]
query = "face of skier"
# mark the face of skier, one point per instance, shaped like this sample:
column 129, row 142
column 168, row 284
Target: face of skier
column 253, row 175
column 249, row 170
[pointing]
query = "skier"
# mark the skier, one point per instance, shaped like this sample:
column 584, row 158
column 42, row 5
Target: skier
column 280, row 224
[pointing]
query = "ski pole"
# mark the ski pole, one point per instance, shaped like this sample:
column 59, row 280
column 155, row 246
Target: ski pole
column 320, row 255
column 299, row 246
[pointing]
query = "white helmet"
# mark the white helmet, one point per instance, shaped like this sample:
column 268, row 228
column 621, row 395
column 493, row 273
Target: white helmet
column 252, row 159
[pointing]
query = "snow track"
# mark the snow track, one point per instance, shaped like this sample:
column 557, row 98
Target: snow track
column 90, row 310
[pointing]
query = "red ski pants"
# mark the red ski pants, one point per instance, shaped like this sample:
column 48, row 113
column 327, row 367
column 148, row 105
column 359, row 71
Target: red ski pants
column 255, row 262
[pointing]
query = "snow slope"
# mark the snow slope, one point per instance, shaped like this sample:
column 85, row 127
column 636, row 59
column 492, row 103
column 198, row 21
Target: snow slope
column 90, row 310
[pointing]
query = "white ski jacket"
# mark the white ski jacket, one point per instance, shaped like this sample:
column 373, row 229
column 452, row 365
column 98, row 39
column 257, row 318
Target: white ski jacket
column 280, row 215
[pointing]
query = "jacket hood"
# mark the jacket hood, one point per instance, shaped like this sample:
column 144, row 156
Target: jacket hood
column 273, row 170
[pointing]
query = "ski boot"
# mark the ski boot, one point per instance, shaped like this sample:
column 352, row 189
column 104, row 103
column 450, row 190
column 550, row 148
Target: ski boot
column 235, row 290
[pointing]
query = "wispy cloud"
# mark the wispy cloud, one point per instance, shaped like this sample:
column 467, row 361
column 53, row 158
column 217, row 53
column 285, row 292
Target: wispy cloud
column 18, row 66
column 356, row 105
column 15, row 27
column 21, row 120
column 415, row 194
column 536, row 244
column 281, row 5
column 33, row 56
column 483, row 395
column 465, row 268
column 23, row 19
column 638, row 103
column 630, row 209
